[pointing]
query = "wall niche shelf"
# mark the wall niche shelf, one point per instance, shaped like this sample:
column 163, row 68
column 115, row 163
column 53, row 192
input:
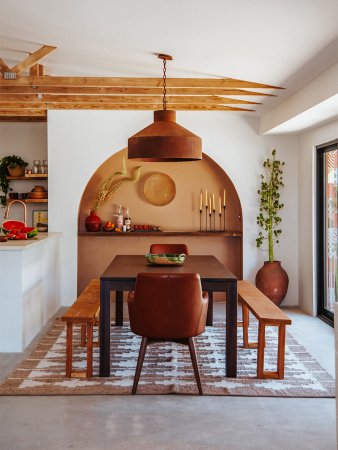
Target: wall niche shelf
column 162, row 233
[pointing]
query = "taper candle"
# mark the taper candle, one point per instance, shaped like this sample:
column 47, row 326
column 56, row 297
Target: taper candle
column 201, row 202
column 206, row 197
column 220, row 205
column 224, row 197
column 213, row 201
column 210, row 205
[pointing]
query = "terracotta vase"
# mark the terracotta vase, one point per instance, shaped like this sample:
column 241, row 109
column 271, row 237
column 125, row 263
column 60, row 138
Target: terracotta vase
column 273, row 281
column 93, row 222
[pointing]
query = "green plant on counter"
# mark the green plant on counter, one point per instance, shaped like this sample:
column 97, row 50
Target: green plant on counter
column 6, row 161
column 270, row 205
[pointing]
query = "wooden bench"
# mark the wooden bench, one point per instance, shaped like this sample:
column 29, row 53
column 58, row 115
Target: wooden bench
column 267, row 314
column 85, row 312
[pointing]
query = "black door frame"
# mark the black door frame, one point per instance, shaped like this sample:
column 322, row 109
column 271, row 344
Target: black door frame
column 321, row 150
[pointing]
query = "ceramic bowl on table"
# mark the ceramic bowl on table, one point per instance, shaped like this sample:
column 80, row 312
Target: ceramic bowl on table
column 165, row 259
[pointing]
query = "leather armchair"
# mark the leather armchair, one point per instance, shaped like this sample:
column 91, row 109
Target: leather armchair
column 167, row 307
column 169, row 248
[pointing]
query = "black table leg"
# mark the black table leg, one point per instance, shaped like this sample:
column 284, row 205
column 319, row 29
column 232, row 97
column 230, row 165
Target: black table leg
column 119, row 309
column 231, row 330
column 104, row 329
column 210, row 314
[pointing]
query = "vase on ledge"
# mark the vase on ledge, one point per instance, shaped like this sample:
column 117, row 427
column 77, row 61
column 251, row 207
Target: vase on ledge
column 93, row 222
column 273, row 281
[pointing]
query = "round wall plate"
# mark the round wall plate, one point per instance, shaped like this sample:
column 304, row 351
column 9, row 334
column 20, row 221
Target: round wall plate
column 159, row 189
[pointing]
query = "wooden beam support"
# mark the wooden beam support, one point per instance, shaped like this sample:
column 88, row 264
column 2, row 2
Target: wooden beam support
column 3, row 66
column 127, row 82
column 81, row 90
column 32, row 59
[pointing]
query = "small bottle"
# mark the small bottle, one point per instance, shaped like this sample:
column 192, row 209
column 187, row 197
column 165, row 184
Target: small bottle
column 119, row 219
column 127, row 220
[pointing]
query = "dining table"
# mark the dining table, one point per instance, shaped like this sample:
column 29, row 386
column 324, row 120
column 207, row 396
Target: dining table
column 121, row 274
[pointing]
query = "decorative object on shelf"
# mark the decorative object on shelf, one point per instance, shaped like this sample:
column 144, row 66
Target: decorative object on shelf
column 165, row 259
column 38, row 192
column 111, row 185
column 93, row 222
column 40, row 220
column 220, row 213
column 159, row 189
column 224, row 207
column 164, row 140
column 206, row 210
column 147, row 228
column 271, row 279
column 127, row 220
column 201, row 210
column 13, row 166
column 210, row 209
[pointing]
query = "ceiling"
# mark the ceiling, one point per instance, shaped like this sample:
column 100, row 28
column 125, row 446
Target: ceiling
column 282, row 43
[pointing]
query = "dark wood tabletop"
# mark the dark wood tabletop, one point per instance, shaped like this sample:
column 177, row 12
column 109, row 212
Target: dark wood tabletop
column 121, row 275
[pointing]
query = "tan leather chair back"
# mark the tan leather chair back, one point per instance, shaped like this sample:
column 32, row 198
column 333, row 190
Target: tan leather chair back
column 169, row 248
column 168, row 306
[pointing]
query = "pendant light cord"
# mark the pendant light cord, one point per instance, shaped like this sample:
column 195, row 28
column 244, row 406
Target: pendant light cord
column 164, row 84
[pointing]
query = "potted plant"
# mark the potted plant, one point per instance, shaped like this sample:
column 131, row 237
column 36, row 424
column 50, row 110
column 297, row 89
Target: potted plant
column 13, row 166
column 271, row 279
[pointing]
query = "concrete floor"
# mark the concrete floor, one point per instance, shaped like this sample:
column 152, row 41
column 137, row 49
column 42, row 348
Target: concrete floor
column 175, row 422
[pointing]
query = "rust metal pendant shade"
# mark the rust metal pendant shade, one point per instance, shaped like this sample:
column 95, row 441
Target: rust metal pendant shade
column 165, row 140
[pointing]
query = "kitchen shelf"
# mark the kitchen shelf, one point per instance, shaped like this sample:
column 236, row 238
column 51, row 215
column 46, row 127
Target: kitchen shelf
column 33, row 177
column 29, row 200
column 162, row 233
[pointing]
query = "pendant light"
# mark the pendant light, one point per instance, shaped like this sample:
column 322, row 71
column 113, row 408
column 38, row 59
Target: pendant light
column 165, row 140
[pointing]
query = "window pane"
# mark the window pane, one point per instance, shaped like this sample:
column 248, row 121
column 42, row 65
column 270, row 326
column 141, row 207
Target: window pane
column 331, row 228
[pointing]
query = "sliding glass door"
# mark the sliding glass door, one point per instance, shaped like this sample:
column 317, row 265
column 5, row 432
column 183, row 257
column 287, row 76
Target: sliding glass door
column 327, row 238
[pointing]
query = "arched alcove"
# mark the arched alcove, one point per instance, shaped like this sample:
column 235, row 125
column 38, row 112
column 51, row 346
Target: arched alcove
column 180, row 219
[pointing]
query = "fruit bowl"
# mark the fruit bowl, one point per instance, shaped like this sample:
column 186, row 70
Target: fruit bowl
column 165, row 259
column 108, row 228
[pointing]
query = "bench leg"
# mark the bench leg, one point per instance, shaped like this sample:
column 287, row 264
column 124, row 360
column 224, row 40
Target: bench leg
column 281, row 351
column 260, row 352
column 89, row 372
column 69, row 349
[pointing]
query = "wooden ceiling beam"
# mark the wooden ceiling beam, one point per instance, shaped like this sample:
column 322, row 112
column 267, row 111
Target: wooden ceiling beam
column 33, row 98
column 80, row 90
column 12, row 107
column 131, row 82
column 32, row 59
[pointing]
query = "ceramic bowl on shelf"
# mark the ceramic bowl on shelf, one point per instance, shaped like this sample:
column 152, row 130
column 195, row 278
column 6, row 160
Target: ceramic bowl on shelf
column 165, row 259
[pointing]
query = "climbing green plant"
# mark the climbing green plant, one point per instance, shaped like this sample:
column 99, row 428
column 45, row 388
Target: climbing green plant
column 270, row 205
column 4, row 183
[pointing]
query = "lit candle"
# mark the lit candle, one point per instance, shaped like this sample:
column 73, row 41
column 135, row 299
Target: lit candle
column 206, row 197
column 220, row 205
column 224, row 197
column 210, row 205
column 213, row 202
column 201, row 202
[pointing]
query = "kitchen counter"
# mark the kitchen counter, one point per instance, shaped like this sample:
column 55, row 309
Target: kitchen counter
column 14, row 244
column 29, row 288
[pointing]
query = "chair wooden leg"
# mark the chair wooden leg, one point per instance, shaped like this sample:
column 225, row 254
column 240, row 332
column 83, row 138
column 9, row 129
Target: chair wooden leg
column 89, row 372
column 140, row 360
column 260, row 352
column 69, row 349
column 281, row 352
column 83, row 335
column 193, row 356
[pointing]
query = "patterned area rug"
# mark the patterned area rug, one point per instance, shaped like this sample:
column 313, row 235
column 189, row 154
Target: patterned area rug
column 167, row 368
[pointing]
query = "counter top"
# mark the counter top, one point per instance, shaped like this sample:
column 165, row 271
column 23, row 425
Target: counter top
column 14, row 245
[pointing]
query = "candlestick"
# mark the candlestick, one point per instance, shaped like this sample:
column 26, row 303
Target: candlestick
column 214, row 214
column 210, row 212
column 213, row 201
column 224, row 217
column 220, row 205
column 206, row 216
column 220, row 221
column 200, row 220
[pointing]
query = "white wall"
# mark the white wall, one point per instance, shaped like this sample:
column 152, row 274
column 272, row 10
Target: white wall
column 28, row 140
column 307, row 212
column 79, row 141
